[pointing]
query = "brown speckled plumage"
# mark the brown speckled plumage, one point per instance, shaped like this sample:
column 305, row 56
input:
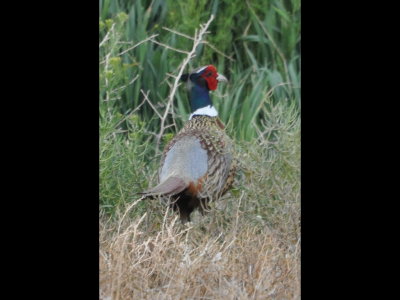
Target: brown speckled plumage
column 197, row 165
column 221, row 165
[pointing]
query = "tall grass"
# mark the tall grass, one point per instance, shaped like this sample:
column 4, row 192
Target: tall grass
column 254, row 43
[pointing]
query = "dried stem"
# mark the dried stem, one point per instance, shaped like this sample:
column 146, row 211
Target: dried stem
column 218, row 51
column 198, row 39
column 150, row 38
column 146, row 97
column 178, row 33
column 107, row 37
column 141, row 42
column 169, row 47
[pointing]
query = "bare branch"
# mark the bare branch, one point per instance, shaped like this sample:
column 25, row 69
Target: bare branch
column 107, row 61
column 124, row 86
column 170, row 75
column 198, row 38
column 151, row 104
column 178, row 33
column 141, row 42
column 169, row 47
column 134, row 46
column 218, row 51
column 107, row 37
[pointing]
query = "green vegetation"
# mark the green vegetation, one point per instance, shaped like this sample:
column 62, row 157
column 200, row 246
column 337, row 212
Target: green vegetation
column 261, row 39
column 256, row 45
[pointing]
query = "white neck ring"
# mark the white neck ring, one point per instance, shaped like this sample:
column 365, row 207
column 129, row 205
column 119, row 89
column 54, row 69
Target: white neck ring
column 208, row 110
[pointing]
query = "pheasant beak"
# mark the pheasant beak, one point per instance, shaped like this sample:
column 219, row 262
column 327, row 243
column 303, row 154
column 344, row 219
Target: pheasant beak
column 222, row 78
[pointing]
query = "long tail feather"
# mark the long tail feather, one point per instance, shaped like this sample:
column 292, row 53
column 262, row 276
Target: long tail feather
column 171, row 186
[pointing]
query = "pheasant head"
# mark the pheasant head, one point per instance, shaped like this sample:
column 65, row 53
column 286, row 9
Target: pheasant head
column 200, row 82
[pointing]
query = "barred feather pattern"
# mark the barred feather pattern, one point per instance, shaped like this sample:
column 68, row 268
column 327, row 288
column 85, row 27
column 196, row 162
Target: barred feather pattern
column 221, row 163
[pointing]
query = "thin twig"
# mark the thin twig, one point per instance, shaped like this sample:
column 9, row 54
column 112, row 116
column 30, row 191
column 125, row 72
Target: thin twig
column 218, row 51
column 146, row 97
column 141, row 42
column 127, row 210
column 129, row 114
column 171, row 75
column 169, row 47
column 198, row 38
column 107, row 60
column 124, row 86
column 178, row 33
column 107, row 37
column 134, row 46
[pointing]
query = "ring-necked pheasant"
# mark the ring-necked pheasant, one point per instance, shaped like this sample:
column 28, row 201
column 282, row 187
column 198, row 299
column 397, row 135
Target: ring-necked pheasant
column 197, row 165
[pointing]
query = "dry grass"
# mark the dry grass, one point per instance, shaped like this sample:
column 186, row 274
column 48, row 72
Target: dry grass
column 199, row 261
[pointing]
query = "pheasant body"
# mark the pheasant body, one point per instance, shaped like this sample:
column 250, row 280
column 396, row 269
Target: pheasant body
column 197, row 165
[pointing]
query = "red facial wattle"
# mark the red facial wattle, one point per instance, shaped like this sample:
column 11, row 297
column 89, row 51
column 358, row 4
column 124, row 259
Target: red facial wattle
column 210, row 75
